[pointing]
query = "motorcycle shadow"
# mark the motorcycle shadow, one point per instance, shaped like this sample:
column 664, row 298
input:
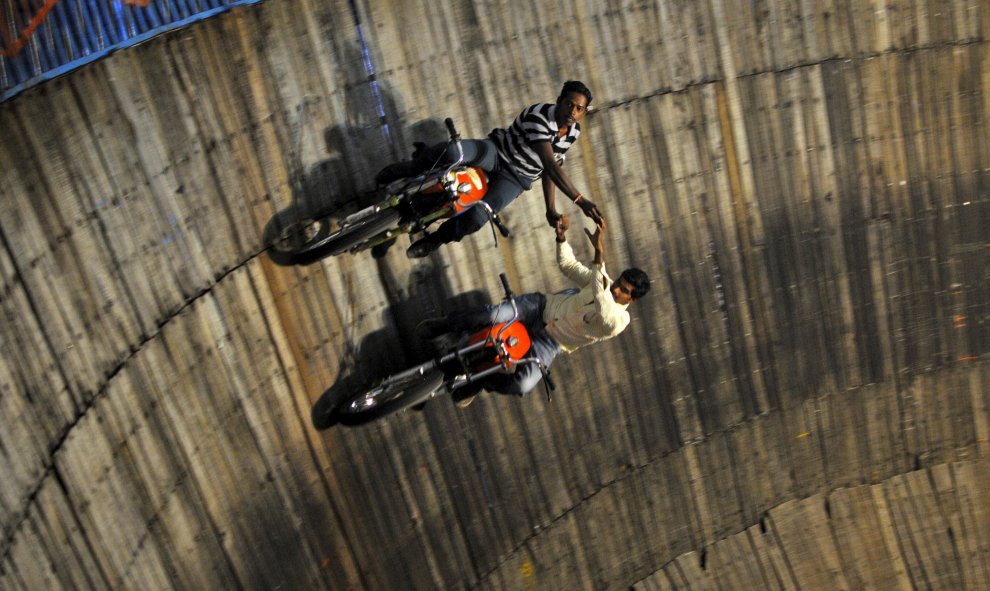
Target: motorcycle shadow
column 387, row 351
column 334, row 188
column 317, row 196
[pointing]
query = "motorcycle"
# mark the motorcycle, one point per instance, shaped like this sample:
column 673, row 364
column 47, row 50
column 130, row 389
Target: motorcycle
column 409, row 205
column 498, row 348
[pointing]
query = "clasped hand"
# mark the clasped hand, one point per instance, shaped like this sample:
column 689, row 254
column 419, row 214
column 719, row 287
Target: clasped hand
column 587, row 207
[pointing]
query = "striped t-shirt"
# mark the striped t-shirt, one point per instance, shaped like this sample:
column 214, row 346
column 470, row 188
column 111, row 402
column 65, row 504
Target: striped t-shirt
column 535, row 124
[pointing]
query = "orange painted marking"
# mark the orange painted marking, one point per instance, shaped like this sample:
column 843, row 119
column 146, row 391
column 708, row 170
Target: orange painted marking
column 15, row 48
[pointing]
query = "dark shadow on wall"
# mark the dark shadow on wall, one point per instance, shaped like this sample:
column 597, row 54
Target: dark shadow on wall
column 344, row 183
column 341, row 183
column 396, row 347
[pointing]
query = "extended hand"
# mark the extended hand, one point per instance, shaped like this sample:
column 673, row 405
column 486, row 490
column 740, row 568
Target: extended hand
column 552, row 217
column 597, row 241
column 563, row 223
column 591, row 210
column 596, row 238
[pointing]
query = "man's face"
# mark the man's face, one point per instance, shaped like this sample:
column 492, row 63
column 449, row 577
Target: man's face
column 571, row 108
column 622, row 292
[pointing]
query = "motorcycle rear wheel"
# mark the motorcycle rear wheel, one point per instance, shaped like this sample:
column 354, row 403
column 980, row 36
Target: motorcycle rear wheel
column 390, row 396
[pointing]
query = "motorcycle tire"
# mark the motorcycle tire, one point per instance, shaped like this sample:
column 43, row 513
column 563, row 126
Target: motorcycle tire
column 322, row 242
column 323, row 414
column 390, row 396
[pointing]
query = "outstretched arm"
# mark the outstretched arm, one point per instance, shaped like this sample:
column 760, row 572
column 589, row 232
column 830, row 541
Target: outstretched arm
column 613, row 318
column 556, row 174
column 569, row 265
column 597, row 241
column 549, row 194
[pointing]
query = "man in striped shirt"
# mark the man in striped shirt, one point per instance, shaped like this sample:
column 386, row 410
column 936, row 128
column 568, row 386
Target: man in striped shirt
column 532, row 148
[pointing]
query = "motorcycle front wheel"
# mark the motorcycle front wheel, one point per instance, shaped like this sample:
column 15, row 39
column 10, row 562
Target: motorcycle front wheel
column 392, row 395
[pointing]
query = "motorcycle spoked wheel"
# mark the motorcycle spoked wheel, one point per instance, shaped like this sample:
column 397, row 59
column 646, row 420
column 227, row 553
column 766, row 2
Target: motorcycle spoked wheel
column 390, row 396
column 307, row 241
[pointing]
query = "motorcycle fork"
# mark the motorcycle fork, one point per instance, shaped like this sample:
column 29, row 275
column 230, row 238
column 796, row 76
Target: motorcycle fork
column 463, row 359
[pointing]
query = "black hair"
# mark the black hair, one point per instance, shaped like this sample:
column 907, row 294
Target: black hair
column 575, row 86
column 639, row 281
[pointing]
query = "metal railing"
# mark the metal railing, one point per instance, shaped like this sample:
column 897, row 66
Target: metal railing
column 42, row 39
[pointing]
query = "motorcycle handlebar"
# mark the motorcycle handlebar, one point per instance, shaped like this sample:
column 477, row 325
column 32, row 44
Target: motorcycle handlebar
column 549, row 380
column 454, row 136
column 505, row 285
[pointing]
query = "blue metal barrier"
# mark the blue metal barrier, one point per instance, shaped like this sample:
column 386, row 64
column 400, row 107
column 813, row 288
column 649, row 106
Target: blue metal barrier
column 42, row 39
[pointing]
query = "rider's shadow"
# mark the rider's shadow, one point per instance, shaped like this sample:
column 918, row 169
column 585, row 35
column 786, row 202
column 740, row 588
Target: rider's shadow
column 396, row 346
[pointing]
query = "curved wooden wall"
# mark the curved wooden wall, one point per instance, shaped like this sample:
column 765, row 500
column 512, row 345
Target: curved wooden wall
column 806, row 182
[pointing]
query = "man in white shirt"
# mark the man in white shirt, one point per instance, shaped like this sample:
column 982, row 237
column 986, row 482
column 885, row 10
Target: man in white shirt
column 594, row 310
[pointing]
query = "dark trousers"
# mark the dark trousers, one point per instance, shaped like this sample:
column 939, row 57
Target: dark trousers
column 544, row 347
column 504, row 185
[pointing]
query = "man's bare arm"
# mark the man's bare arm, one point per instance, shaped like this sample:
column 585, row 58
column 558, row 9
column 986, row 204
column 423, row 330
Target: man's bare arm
column 556, row 174
column 549, row 194
column 598, row 242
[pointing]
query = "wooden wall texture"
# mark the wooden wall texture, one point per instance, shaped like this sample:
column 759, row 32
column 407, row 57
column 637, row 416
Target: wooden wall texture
column 801, row 402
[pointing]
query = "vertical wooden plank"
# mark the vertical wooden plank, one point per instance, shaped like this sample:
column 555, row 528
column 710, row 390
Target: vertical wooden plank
column 870, row 558
column 922, row 532
column 288, row 384
column 701, row 503
column 35, row 404
column 802, row 429
column 27, row 570
column 787, row 38
column 731, row 560
column 970, row 518
column 803, row 529
column 110, row 505
column 744, row 285
column 688, row 250
column 680, row 515
column 853, row 128
column 118, row 187
column 668, row 338
column 58, row 241
column 211, row 432
column 693, row 571
column 883, row 438
column 157, row 472
column 50, row 549
column 768, row 554
column 687, row 56
column 760, row 464
column 845, row 436
column 948, row 504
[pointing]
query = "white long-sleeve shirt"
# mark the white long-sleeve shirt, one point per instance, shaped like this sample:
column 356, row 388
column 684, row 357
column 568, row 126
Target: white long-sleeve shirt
column 576, row 318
